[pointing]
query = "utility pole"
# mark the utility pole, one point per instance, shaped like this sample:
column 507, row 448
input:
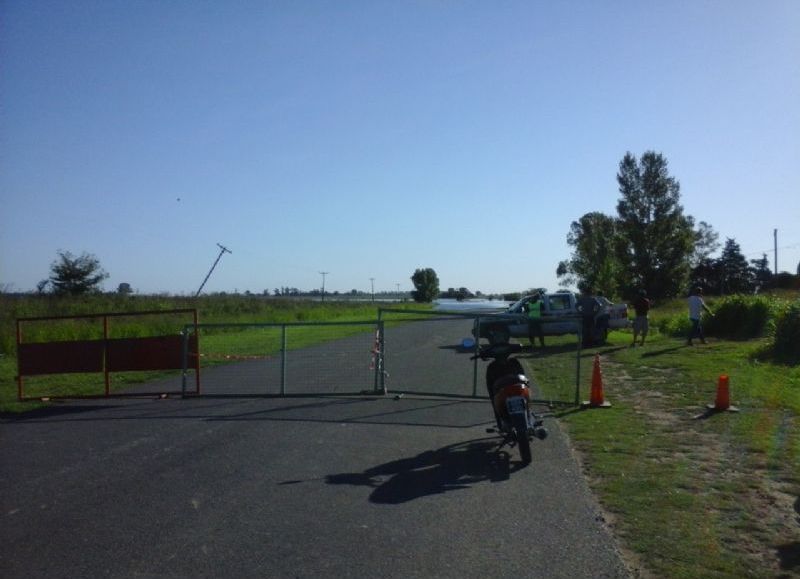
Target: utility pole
column 775, row 235
column 222, row 250
column 323, row 274
column 372, row 282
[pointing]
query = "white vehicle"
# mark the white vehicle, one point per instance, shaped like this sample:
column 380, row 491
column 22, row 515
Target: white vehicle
column 565, row 313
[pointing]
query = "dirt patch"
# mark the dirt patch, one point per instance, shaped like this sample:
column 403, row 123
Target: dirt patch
column 758, row 506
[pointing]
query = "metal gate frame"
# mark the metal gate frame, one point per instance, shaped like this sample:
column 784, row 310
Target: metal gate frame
column 105, row 355
column 190, row 331
column 427, row 314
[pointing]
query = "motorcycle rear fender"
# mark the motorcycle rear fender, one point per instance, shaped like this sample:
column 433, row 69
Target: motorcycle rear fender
column 512, row 391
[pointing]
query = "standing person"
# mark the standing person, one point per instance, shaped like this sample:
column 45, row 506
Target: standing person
column 696, row 307
column 535, row 308
column 589, row 307
column 641, row 324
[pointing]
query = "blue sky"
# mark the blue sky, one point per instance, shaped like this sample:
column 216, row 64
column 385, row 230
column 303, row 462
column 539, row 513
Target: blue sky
column 368, row 139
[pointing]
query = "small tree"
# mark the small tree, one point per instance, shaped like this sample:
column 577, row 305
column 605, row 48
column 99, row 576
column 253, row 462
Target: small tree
column 705, row 243
column 761, row 272
column 75, row 276
column 707, row 275
column 737, row 277
column 593, row 265
column 426, row 284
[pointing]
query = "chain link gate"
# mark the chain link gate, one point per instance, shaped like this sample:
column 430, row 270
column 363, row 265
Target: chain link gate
column 433, row 353
column 289, row 359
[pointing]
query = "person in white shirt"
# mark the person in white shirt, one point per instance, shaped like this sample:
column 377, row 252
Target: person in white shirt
column 696, row 307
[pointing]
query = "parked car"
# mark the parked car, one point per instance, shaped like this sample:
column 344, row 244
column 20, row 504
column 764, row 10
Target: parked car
column 563, row 313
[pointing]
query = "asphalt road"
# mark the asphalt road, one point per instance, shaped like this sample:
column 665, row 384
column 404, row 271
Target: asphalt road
column 290, row 487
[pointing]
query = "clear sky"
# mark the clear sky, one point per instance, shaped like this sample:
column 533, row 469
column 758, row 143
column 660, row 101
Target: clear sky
column 370, row 138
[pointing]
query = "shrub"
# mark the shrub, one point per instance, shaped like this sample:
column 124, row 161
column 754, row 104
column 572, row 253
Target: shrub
column 787, row 334
column 673, row 325
column 741, row 317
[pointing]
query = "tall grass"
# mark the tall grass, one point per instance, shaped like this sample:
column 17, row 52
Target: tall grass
column 787, row 334
column 212, row 309
column 740, row 317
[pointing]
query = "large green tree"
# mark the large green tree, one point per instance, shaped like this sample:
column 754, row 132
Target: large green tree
column 426, row 284
column 593, row 265
column 655, row 240
column 70, row 275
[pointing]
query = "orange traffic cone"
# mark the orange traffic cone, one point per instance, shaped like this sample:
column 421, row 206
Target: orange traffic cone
column 596, row 399
column 723, row 400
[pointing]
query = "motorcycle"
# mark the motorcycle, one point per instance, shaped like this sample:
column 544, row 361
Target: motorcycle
column 510, row 393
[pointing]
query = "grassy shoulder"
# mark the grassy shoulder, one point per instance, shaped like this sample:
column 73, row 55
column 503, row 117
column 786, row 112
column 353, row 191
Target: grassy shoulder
column 690, row 494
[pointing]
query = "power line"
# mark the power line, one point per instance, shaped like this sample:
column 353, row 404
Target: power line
column 793, row 246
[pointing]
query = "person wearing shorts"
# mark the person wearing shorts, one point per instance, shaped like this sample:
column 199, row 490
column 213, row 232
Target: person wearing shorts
column 641, row 324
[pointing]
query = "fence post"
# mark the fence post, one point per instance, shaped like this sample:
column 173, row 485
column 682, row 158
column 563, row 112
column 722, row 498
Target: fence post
column 578, row 365
column 196, row 354
column 475, row 361
column 377, row 353
column 283, row 360
column 184, row 359
column 19, row 358
column 381, row 356
column 106, row 375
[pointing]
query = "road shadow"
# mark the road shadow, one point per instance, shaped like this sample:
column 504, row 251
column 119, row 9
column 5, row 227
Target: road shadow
column 447, row 469
column 53, row 411
column 662, row 351
column 403, row 415
column 408, row 411
column 458, row 349
column 538, row 352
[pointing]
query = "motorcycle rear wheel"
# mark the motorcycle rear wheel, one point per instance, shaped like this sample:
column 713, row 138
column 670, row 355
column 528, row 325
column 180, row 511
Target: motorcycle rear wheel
column 520, row 426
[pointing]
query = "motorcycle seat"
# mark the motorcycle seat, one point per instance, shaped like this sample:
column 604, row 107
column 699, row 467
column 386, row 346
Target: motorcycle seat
column 509, row 379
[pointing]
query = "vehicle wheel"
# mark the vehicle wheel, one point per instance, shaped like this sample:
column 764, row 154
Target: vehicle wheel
column 521, row 434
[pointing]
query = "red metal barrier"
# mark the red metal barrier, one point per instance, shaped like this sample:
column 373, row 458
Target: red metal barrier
column 106, row 355
column 60, row 357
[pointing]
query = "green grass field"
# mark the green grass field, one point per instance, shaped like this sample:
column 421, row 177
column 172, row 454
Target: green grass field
column 689, row 493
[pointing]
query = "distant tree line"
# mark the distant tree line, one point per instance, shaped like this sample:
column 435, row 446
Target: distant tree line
column 649, row 244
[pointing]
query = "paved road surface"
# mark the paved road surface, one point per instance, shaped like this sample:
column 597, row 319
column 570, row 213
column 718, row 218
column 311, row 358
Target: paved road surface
column 298, row 487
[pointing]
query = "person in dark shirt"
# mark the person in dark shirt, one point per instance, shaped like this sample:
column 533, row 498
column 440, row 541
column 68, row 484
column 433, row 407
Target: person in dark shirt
column 641, row 325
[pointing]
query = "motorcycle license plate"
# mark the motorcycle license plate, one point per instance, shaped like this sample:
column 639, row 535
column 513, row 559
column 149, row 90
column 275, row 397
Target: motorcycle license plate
column 515, row 405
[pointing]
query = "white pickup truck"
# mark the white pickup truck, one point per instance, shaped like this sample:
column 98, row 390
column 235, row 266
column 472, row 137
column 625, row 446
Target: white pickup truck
column 565, row 313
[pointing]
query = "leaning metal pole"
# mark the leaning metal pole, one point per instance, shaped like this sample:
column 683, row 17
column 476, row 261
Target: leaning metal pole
column 222, row 249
